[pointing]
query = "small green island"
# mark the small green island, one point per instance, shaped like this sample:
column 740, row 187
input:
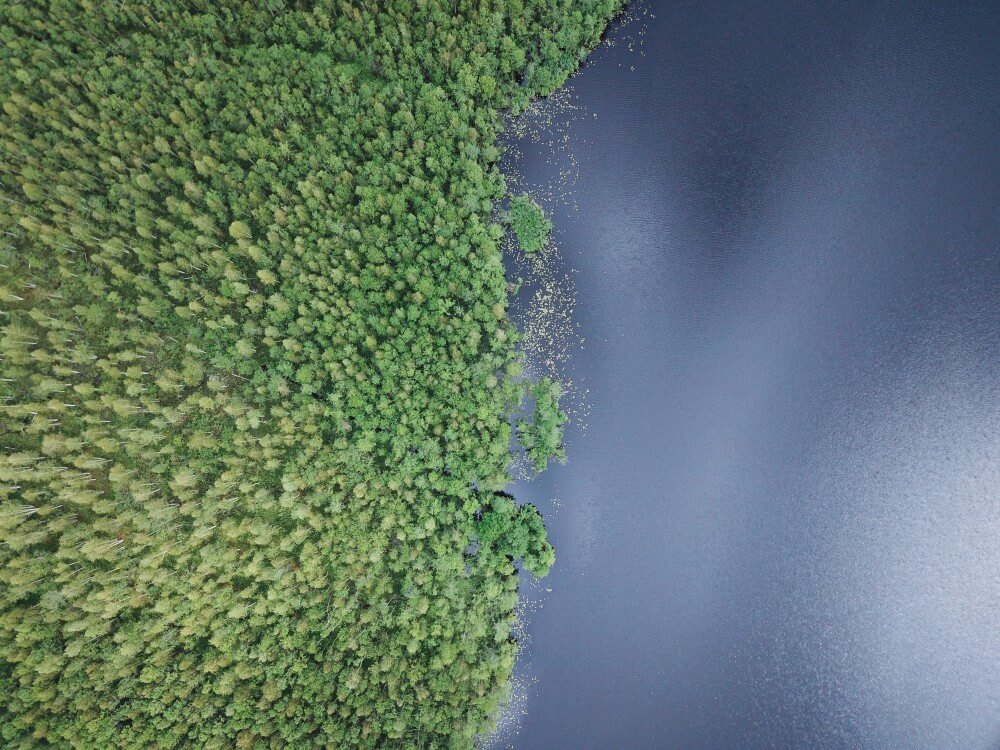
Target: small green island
column 531, row 227
column 257, row 370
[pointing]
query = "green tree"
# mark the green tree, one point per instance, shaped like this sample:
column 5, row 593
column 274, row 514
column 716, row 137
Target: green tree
column 530, row 225
column 255, row 369
column 542, row 435
column 516, row 532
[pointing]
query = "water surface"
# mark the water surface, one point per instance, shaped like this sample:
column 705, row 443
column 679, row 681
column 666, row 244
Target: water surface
column 781, row 527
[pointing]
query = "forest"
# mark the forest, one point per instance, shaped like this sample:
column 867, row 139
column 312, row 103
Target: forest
column 256, row 368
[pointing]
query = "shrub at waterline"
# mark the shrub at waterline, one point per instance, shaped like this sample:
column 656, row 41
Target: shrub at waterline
column 542, row 435
column 517, row 532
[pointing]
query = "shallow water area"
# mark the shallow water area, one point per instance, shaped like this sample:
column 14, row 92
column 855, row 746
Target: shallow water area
column 780, row 526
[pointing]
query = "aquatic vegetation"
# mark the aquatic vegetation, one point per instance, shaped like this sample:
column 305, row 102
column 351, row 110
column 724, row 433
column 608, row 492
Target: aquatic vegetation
column 542, row 435
column 256, row 368
column 530, row 225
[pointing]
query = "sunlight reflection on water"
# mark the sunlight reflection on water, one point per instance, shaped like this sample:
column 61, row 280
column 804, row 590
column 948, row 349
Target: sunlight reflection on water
column 780, row 526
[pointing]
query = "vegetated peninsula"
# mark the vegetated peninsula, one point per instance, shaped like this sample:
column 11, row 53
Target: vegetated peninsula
column 256, row 368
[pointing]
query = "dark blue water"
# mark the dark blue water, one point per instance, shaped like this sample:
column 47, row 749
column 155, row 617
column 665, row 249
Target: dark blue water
column 781, row 527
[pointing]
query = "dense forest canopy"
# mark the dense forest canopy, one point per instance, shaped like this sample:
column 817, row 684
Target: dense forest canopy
column 256, row 368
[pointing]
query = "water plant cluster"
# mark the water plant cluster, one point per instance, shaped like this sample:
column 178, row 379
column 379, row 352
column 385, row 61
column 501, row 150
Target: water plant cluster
column 256, row 368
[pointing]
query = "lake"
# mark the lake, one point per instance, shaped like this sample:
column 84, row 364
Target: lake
column 779, row 526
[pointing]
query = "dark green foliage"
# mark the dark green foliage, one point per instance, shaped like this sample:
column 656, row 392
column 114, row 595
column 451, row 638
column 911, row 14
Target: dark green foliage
column 541, row 437
column 254, row 360
column 507, row 530
column 531, row 227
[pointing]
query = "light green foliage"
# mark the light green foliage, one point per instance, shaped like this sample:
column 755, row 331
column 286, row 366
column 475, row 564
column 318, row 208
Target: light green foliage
column 531, row 227
column 252, row 367
column 541, row 437
column 516, row 532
